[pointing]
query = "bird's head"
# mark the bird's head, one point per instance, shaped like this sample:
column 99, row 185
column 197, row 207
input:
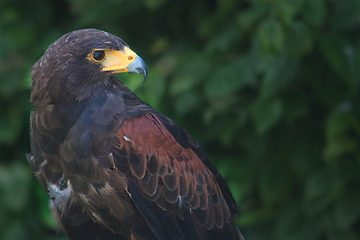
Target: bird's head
column 77, row 63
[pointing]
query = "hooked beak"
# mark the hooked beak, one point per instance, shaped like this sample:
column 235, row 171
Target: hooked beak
column 119, row 61
column 138, row 66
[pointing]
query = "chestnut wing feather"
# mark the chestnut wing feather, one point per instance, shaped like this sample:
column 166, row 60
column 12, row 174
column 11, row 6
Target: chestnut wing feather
column 172, row 172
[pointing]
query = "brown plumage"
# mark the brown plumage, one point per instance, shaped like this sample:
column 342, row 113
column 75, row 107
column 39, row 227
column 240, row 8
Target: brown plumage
column 113, row 167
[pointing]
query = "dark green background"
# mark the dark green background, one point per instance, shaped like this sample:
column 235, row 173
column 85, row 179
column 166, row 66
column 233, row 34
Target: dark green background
column 269, row 88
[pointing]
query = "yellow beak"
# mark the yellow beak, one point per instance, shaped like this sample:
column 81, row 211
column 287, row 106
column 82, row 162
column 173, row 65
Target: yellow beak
column 124, row 61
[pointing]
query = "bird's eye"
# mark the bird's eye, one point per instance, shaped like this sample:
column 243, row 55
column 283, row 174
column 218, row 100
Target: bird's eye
column 98, row 55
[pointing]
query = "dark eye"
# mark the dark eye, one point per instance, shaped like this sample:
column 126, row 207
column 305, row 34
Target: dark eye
column 98, row 55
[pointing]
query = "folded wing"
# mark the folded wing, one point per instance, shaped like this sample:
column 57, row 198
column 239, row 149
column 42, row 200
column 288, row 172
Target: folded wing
column 174, row 176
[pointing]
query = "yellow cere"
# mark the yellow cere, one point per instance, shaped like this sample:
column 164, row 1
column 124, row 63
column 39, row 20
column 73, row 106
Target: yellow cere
column 116, row 61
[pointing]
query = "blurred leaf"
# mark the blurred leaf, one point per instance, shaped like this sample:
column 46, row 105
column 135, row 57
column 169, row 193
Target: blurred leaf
column 344, row 16
column 271, row 35
column 246, row 169
column 266, row 113
column 347, row 210
column 229, row 134
column 289, row 221
column 315, row 184
column 298, row 39
column 321, row 190
column 309, row 230
column 4, row 213
column 160, row 45
column 246, row 20
column 275, row 183
column 218, row 107
column 153, row 4
column 10, row 125
column 93, row 12
column 255, row 216
column 223, row 41
column 187, row 102
column 287, row 9
column 296, row 105
column 192, row 71
column 314, row 11
column 20, row 36
column 278, row 72
column 230, row 78
column 14, row 184
column 9, row 15
column 341, row 120
column 155, row 90
column 339, row 146
column 342, row 57
column 15, row 231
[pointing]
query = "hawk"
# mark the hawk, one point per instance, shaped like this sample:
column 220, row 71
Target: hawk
column 115, row 168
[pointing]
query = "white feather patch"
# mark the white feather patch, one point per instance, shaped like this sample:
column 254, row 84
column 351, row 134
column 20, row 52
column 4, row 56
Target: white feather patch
column 127, row 139
column 60, row 197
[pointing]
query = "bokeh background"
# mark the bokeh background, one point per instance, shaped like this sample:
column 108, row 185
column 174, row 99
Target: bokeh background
column 269, row 88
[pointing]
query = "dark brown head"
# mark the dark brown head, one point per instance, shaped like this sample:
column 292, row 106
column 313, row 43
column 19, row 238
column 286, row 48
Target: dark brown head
column 78, row 62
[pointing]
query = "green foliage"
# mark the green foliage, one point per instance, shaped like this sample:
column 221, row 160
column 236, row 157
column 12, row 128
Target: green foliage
column 270, row 89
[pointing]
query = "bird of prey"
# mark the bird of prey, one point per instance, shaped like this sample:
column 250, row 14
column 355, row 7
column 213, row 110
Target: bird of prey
column 115, row 168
